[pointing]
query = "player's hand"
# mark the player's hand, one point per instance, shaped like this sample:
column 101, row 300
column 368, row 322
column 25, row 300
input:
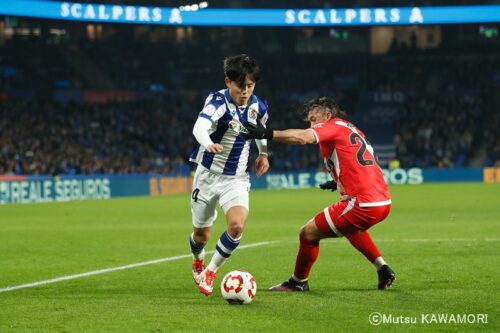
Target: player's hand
column 261, row 165
column 329, row 185
column 257, row 132
column 345, row 197
column 215, row 148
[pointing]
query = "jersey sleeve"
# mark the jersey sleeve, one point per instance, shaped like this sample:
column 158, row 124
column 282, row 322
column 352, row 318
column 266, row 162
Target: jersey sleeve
column 324, row 131
column 213, row 109
column 263, row 112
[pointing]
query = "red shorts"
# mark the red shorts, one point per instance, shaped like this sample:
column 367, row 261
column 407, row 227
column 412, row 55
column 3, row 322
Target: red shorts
column 345, row 217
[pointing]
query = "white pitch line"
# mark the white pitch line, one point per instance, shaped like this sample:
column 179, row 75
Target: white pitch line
column 429, row 240
column 119, row 268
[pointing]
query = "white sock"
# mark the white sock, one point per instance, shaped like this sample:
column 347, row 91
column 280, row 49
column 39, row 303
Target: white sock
column 225, row 246
column 299, row 280
column 216, row 262
column 378, row 263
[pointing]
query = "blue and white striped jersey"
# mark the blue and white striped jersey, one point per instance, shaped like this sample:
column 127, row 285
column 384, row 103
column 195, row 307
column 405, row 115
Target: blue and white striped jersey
column 227, row 119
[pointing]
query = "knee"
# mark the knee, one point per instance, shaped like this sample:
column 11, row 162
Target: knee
column 201, row 237
column 307, row 232
column 236, row 218
column 201, row 240
column 235, row 227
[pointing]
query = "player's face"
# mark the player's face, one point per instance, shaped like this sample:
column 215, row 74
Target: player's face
column 318, row 116
column 241, row 95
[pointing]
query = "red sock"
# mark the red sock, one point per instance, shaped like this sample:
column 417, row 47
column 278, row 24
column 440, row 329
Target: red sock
column 308, row 253
column 364, row 244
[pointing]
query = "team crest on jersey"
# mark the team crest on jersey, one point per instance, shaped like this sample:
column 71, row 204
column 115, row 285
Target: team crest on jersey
column 252, row 114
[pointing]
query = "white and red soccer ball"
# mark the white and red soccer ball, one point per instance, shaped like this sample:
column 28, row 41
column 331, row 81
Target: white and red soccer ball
column 238, row 287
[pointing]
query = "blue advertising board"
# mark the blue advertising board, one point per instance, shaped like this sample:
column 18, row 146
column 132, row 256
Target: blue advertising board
column 412, row 176
column 38, row 189
column 95, row 12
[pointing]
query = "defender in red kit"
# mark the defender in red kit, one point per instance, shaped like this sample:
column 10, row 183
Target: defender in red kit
column 364, row 197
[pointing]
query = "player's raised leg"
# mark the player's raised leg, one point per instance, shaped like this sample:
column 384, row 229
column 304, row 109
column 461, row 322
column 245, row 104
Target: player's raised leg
column 228, row 242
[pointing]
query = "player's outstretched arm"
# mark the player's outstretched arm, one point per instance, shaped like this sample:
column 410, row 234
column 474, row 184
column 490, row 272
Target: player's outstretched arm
column 295, row 136
column 290, row 136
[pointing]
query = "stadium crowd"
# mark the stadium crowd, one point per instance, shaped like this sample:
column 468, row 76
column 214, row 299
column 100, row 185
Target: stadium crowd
column 449, row 116
column 155, row 136
column 49, row 138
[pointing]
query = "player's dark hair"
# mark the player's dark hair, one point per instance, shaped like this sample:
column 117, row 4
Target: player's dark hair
column 236, row 68
column 325, row 103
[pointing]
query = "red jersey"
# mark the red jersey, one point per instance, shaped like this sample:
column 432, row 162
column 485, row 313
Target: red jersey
column 350, row 160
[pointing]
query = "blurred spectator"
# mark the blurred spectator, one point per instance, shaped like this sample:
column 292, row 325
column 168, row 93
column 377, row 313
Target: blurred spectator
column 114, row 138
column 449, row 117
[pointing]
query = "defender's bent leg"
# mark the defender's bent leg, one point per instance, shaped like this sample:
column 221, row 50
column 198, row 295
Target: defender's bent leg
column 347, row 219
column 308, row 252
column 353, row 223
column 362, row 242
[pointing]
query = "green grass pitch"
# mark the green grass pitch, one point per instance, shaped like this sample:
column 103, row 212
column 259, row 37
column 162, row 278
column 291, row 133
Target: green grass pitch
column 442, row 240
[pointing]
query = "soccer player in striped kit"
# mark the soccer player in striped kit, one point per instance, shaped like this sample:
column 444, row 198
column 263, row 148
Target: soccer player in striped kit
column 364, row 197
column 222, row 156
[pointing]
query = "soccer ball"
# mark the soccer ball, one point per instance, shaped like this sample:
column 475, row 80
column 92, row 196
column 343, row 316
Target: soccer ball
column 238, row 287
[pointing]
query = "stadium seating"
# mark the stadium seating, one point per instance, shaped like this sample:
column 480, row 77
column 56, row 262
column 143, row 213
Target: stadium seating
column 446, row 119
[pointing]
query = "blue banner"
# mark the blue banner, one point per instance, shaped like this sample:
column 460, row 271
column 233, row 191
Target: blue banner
column 93, row 12
column 38, row 189
column 413, row 176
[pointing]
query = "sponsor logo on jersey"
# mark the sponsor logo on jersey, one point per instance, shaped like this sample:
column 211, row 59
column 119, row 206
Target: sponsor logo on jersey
column 235, row 126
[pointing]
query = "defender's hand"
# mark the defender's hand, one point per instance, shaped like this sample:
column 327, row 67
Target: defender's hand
column 257, row 132
column 329, row 185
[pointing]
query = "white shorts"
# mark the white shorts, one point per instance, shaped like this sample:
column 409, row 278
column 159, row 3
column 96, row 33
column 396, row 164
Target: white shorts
column 208, row 188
